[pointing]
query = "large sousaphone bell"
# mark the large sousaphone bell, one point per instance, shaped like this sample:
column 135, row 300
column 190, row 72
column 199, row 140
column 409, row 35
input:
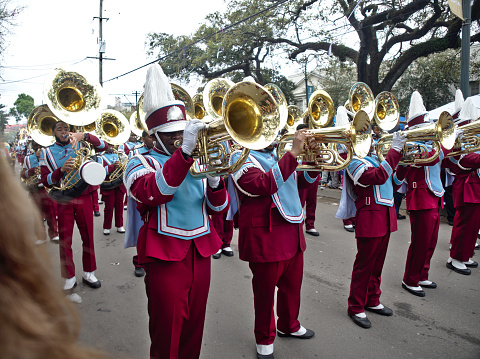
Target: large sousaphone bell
column 250, row 117
column 213, row 96
column 361, row 97
column 72, row 97
column 321, row 110
column 387, row 111
column 39, row 125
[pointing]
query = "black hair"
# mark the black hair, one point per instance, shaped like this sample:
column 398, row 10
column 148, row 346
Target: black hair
column 55, row 125
column 144, row 134
column 301, row 126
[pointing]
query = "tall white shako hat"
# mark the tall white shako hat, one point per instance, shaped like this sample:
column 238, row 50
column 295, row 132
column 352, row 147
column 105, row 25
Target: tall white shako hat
column 469, row 113
column 459, row 101
column 163, row 113
column 417, row 114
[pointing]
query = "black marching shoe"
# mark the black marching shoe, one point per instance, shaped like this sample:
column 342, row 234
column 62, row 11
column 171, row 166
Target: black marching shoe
column 458, row 270
column 217, row 255
column 418, row 293
column 139, row 272
column 96, row 214
column 427, row 284
column 384, row 311
column 471, row 264
column 361, row 322
column 264, row 356
column 477, row 246
column 307, row 335
column 401, row 216
column 227, row 251
column 90, row 280
column 312, row 232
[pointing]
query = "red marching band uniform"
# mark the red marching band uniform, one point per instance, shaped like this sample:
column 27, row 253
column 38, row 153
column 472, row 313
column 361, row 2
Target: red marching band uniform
column 79, row 210
column 45, row 204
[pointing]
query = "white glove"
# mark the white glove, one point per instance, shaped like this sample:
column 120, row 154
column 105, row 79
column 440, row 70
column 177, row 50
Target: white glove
column 459, row 134
column 398, row 141
column 190, row 135
column 213, row 181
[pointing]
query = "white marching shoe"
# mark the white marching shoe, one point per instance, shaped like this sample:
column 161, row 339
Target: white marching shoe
column 106, row 232
column 121, row 229
column 90, row 280
column 55, row 239
column 70, row 283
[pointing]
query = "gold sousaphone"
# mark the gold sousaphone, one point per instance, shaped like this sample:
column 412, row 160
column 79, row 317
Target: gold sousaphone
column 415, row 151
column 39, row 125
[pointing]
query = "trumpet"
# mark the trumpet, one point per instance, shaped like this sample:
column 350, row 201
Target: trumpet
column 33, row 181
column 415, row 152
column 470, row 142
column 357, row 137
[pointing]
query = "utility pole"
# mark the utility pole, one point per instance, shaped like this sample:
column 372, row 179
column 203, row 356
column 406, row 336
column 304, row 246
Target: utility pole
column 465, row 57
column 101, row 44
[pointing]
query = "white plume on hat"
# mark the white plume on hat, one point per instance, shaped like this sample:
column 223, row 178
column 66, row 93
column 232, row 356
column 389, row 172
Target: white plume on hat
column 158, row 91
column 469, row 111
column 459, row 101
column 342, row 117
column 416, row 105
column 249, row 79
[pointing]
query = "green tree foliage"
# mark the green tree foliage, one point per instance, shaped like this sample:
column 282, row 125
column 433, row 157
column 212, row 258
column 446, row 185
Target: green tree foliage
column 436, row 77
column 369, row 34
column 3, row 119
column 23, row 106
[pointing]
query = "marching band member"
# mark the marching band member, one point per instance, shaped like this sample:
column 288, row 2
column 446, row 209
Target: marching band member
column 425, row 189
column 45, row 204
column 367, row 194
column 466, row 198
column 271, row 239
column 176, row 241
column 55, row 160
column 134, row 219
column 129, row 145
column 112, row 197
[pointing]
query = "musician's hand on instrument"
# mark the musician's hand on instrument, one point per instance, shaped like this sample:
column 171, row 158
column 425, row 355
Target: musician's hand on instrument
column 117, row 164
column 459, row 134
column 311, row 143
column 190, row 135
column 398, row 141
column 298, row 141
column 213, row 181
column 75, row 137
column 68, row 165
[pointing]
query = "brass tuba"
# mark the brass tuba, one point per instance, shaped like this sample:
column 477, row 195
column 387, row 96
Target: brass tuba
column 294, row 118
column 135, row 125
column 39, row 125
column 213, row 96
column 416, row 153
column 470, row 141
column 361, row 97
column 250, row 116
column 357, row 137
column 198, row 106
column 73, row 97
column 321, row 110
column 387, row 111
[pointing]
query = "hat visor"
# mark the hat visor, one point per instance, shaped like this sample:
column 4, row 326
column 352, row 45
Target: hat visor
column 172, row 126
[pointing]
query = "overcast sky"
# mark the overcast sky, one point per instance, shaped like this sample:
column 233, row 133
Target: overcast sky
column 53, row 33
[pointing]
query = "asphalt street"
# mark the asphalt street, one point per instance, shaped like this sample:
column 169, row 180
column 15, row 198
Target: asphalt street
column 443, row 324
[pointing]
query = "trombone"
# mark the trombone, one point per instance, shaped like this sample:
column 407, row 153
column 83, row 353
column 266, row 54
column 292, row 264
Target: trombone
column 415, row 153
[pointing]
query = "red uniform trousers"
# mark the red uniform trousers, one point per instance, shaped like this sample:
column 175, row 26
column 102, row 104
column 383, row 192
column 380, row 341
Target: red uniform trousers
column 424, row 226
column 96, row 207
column 287, row 276
column 308, row 197
column 113, row 199
column 78, row 210
column 466, row 224
column 176, row 320
column 224, row 228
column 367, row 271
column 48, row 207
column 348, row 221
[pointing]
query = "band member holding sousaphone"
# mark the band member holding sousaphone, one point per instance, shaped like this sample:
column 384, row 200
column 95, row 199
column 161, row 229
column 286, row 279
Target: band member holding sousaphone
column 465, row 166
column 367, row 194
column 112, row 191
column 176, row 241
column 31, row 174
column 58, row 162
column 425, row 190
